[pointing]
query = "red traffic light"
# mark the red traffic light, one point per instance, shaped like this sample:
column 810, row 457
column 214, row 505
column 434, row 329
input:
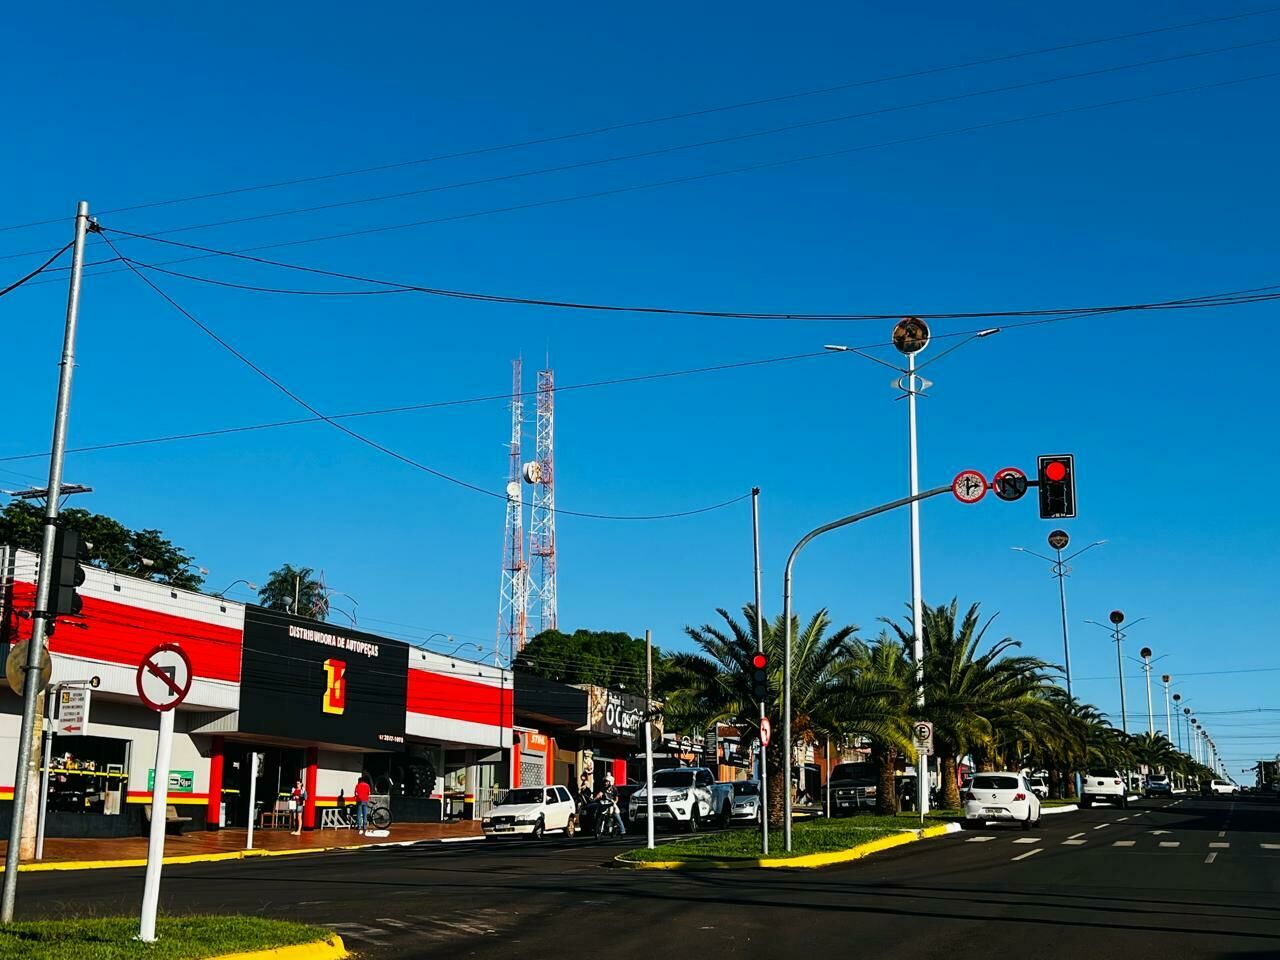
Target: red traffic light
column 1055, row 470
column 759, row 661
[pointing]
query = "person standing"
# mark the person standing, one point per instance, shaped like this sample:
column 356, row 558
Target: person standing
column 611, row 801
column 297, row 802
column 362, row 792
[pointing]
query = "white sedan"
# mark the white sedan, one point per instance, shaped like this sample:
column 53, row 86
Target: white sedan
column 533, row 811
column 1003, row 797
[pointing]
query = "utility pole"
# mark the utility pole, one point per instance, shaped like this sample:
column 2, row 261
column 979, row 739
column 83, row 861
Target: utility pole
column 40, row 616
column 764, row 709
column 917, row 598
column 648, row 733
column 1117, row 618
column 1145, row 653
column 1168, row 721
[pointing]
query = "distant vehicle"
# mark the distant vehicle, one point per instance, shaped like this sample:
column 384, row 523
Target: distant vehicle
column 852, row 786
column 1103, row 786
column 1039, row 786
column 746, row 801
column 1157, row 785
column 1217, row 788
column 1004, row 797
column 685, row 797
column 533, row 811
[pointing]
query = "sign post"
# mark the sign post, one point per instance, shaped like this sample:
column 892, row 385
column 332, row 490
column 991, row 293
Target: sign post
column 253, row 795
column 164, row 680
column 922, row 740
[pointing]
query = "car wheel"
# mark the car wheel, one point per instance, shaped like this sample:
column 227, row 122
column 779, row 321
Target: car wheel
column 694, row 821
column 539, row 829
column 726, row 815
column 967, row 824
column 1124, row 803
column 1085, row 803
column 571, row 827
column 1026, row 824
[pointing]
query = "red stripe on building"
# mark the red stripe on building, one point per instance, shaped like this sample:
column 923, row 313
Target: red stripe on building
column 119, row 633
column 437, row 695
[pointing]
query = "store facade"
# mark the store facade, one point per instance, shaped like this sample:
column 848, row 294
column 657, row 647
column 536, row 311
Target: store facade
column 317, row 702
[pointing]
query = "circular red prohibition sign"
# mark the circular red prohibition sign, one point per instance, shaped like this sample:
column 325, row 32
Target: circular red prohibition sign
column 177, row 690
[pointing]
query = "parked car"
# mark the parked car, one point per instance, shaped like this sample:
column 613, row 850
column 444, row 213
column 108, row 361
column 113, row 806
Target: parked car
column 685, row 797
column 1103, row 786
column 852, row 786
column 1039, row 786
column 1217, row 788
column 1157, row 785
column 746, row 801
column 533, row 811
column 1005, row 797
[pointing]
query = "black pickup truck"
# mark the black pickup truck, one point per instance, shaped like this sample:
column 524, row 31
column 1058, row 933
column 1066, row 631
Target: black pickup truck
column 853, row 787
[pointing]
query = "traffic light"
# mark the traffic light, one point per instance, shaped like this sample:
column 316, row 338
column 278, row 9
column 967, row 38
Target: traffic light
column 760, row 677
column 67, row 575
column 1057, row 485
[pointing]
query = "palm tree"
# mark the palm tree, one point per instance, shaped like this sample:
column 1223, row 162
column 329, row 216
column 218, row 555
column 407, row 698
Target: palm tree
column 975, row 700
column 295, row 590
column 1154, row 751
column 714, row 685
column 877, row 702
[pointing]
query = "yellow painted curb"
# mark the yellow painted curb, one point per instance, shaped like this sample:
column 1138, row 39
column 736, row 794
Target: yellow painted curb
column 331, row 949
column 807, row 862
column 40, row 866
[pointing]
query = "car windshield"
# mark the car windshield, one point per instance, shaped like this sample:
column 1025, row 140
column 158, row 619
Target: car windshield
column 995, row 783
column 673, row 778
column 854, row 771
column 517, row 797
column 745, row 789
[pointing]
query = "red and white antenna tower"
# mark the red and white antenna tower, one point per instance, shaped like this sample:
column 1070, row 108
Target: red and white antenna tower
column 541, row 474
column 513, row 592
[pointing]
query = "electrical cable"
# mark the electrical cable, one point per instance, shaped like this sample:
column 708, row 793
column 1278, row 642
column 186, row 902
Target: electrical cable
column 381, row 448
column 37, row 271
column 632, row 124
column 716, row 141
column 729, row 171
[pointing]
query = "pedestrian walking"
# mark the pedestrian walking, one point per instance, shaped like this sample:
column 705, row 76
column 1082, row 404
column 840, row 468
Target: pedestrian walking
column 297, row 803
column 362, row 792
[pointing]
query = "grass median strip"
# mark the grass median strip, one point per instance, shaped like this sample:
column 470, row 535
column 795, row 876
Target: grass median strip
column 812, row 841
column 177, row 938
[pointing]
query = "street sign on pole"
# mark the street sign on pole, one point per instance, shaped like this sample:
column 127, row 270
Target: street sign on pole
column 163, row 680
column 15, row 668
column 1009, row 484
column 969, row 486
column 72, row 705
column 922, row 737
column 766, row 731
column 1059, row 539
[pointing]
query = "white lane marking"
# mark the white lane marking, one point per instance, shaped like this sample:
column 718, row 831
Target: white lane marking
column 1101, row 825
column 1124, row 843
column 1157, row 833
column 1027, row 840
column 1029, row 853
column 1170, row 843
column 1270, row 846
column 1073, row 843
column 1221, row 834
column 1075, row 836
column 979, row 839
column 1123, row 819
column 1210, row 858
column 1219, row 846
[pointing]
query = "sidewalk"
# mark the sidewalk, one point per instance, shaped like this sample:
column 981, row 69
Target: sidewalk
column 73, row 853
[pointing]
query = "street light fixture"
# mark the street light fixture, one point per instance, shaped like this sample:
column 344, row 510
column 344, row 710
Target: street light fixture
column 248, row 583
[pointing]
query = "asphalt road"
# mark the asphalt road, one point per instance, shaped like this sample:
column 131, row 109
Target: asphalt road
column 1185, row 878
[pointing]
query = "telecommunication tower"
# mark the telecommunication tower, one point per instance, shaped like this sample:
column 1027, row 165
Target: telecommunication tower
column 513, row 591
column 541, row 475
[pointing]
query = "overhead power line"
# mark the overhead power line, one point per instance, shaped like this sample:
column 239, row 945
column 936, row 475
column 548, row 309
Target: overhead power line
column 381, row 448
column 36, row 272
column 666, row 118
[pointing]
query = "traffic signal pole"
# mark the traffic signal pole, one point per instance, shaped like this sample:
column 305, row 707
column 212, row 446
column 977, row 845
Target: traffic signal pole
column 786, row 627
column 764, row 707
column 917, row 598
column 41, row 616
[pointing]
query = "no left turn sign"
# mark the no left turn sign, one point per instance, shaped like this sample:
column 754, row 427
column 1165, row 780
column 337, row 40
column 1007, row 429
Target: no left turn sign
column 164, row 677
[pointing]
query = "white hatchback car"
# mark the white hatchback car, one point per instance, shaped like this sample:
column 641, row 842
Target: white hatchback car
column 533, row 811
column 1004, row 797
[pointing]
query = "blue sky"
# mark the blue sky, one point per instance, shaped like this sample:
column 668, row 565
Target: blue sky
column 1168, row 197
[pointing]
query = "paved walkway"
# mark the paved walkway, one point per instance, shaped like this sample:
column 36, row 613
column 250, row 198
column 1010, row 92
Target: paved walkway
column 200, row 843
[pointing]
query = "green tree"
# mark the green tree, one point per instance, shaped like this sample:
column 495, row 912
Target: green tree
column 105, row 543
column 603, row 658
column 714, row 685
column 295, row 590
column 877, row 702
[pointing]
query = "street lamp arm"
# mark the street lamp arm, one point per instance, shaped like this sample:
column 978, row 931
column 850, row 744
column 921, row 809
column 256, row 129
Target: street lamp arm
column 1083, row 550
column 840, row 348
column 954, row 347
column 1038, row 556
column 786, row 627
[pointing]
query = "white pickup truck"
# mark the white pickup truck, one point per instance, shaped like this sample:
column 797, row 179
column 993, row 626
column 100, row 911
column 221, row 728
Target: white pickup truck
column 686, row 797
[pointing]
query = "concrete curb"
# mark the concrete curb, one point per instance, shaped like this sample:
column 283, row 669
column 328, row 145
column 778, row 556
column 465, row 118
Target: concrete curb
column 331, row 949
column 42, row 866
column 807, row 862
column 1068, row 808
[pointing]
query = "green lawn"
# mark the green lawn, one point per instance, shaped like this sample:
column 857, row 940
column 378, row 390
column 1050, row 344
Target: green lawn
column 178, row 938
column 807, row 836
column 1058, row 803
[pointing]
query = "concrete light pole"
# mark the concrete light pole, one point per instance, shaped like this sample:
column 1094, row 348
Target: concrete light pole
column 1145, row 653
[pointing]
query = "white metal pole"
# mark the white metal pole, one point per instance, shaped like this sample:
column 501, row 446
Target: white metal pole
column 764, row 708
column 1124, row 710
column 46, row 749
column 1168, row 722
column 253, row 795
column 1151, row 720
column 44, row 580
column 155, row 843
column 648, row 736
column 917, row 601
